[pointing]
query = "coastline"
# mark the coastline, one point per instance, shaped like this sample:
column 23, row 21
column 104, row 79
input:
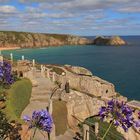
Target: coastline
column 9, row 48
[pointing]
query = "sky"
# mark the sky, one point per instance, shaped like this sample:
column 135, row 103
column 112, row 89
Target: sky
column 78, row 17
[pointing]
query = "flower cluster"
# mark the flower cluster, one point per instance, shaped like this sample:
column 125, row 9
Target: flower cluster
column 120, row 114
column 6, row 76
column 40, row 119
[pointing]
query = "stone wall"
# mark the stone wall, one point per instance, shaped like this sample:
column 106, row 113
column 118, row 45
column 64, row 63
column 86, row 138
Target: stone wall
column 89, row 84
column 81, row 106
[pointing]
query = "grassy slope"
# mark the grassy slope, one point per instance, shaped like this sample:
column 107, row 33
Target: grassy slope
column 18, row 98
column 13, row 37
column 113, row 133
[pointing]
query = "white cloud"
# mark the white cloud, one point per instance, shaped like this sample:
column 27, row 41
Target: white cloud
column 130, row 9
column 7, row 9
column 67, row 16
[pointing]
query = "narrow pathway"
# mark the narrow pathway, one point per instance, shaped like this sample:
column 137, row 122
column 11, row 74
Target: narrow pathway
column 41, row 92
column 69, row 134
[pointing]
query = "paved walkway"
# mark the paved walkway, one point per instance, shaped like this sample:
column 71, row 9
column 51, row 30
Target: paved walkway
column 67, row 136
column 41, row 91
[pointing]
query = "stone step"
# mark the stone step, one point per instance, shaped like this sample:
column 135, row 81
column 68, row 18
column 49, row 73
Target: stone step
column 45, row 87
column 35, row 105
column 39, row 91
column 69, row 134
column 39, row 98
column 45, row 94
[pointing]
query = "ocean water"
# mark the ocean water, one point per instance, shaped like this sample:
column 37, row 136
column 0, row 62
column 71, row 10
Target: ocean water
column 119, row 65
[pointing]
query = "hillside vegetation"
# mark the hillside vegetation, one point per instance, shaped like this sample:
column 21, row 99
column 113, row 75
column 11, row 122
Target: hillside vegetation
column 18, row 98
column 29, row 40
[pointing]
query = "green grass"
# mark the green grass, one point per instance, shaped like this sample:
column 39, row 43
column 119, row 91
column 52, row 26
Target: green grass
column 112, row 135
column 17, row 99
column 60, row 117
column 57, row 70
column 13, row 37
column 1, row 90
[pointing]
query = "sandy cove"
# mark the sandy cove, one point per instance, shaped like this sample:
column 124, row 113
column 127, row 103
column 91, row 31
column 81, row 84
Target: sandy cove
column 9, row 48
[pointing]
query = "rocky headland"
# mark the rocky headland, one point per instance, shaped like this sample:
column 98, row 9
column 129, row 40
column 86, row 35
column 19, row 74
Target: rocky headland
column 111, row 41
column 34, row 40
column 10, row 40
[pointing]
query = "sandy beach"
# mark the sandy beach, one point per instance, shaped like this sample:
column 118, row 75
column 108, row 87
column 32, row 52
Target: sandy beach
column 9, row 48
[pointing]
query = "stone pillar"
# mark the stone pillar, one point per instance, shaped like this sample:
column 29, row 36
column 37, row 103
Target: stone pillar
column 53, row 76
column 48, row 73
column 33, row 62
column 52, row 135
column 50, row 107
column 11, row 57
column 44, row 68
column 86, row 132
column 22, row 57
column 43, row 71
column 41, row 67
column 1, row 58
column 96, row 128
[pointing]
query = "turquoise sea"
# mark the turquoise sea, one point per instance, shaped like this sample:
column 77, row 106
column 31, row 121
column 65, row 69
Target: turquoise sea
column 119, row 65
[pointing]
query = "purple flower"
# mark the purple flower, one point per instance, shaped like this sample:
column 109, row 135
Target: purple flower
column 6, row 76
column 26, row 118
column 139, row 114
column 40, row 119
column 116, row 123
column 120, row 114
column 124, row 128
column 137, row 123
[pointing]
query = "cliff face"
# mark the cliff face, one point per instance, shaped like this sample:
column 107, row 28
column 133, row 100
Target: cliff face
column 11, row 39
column 116, row 40
column 83, row 81
column 29, row 40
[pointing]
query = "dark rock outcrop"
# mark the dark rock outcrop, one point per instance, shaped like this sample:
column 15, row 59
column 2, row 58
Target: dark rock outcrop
column 111, row 41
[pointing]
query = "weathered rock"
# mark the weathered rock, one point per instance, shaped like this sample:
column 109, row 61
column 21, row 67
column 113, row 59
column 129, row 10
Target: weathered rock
column 23, row 65
column 91, row 85
column 130, row 135
column 116, row 40
column 81, row 106
column 79, row 70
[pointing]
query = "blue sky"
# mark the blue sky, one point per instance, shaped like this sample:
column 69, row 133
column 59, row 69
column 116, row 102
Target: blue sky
column 80, row 17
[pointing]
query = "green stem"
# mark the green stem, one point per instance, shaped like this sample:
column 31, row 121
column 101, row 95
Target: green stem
column 107, row 130
column 49, row 136
column 34, row 133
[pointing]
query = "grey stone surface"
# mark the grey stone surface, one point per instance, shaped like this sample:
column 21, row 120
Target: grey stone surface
column 79, row 70
column 91, row 85
column 69, row 134
column 81, row 106
column 39, row 98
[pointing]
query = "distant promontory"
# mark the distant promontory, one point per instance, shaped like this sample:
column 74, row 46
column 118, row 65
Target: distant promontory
column 12, row 39
column 111, row 41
